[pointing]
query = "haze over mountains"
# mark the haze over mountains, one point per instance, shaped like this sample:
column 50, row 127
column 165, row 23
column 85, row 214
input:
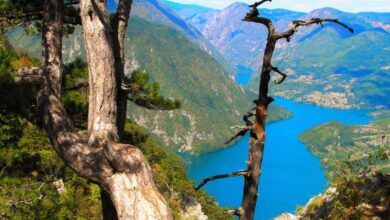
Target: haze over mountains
column 327, row 65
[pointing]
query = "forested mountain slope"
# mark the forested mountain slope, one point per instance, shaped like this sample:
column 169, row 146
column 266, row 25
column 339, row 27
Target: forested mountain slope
column 211, row 100
column 326, row 65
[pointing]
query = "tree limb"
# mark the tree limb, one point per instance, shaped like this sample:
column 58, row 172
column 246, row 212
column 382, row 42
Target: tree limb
column 256, row 4
column 236, row 212
column 284, row 76
column 80, row 85
column 29, row 75
column 298, row 23
column 71, row 2
column 35, row 15
column 237, row 173
column 240, row 133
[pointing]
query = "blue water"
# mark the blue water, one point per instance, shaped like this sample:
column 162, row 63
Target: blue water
column 291, row 174
column 243, row 75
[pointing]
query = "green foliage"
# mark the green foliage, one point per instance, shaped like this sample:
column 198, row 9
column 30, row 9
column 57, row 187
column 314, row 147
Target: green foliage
column 34, row 28
column 147, row 94
column 24, row 104
column 350, row 148
column 29, row 166
column 76, row 101
column 350, row 153
column 28, row 163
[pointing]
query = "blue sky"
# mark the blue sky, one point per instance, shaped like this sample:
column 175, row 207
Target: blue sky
column 305, row 5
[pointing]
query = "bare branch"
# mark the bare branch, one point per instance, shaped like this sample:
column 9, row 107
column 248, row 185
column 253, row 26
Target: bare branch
column 248, row 115
column 29, row 75
column 253, row 16
column 240, row 133
column 80, row 85
column 298, row 23
column 240, row 127
column 237, row 173
column 236, row 212
column 284, row 76
column 71, row 2
column 259, row 3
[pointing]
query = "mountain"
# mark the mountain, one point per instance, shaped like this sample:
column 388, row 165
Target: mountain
column 157, row 12
column 239, row 41
column 187, row 11
column 195, row 15
column 212, row 102
column 351, row 71
column 330, row 66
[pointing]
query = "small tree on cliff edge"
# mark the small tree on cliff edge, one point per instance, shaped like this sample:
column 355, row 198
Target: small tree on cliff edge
column 257, row 127
column 121, row 171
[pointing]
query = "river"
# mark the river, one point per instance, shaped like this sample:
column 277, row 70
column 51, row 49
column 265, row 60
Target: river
column 291, row 175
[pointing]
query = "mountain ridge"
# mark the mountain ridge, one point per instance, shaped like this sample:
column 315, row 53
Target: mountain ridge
column 306, row 56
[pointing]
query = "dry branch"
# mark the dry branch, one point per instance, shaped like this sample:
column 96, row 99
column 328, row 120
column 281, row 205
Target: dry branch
column 80, row 85
column 237, row 173
column 29, row 75
column 276, row 70
column 299, row 23
column 236, row 212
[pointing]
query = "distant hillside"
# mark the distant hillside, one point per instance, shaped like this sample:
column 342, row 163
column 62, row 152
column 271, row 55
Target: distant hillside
column 331, row 67
column 212, row 102
column 327, row 66
column 156, row 11
column 334, row 142
column 241, row 42
column 187, row 11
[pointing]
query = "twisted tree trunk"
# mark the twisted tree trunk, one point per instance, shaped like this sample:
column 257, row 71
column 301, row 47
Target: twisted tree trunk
column 119, row 169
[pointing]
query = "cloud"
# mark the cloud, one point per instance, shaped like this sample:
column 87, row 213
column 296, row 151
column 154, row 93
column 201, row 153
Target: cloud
column 305, row 5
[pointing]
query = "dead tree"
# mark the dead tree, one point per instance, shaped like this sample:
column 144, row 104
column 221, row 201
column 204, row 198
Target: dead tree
column 257, row 128
column 121, row 171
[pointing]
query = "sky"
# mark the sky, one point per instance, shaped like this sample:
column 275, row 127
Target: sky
column 304, row 5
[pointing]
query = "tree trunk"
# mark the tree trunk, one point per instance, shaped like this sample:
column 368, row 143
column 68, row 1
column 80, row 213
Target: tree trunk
column 120, row 170
column 119, row 27
column 131, row 187
column 257, row 139
column 102, row 110
column 52, row 42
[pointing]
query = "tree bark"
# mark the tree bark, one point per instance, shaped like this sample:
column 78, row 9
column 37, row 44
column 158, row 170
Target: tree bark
column 119, row 27
column 120, row 170
column 257, row 139
column 258, row 135
column 102, row 110
column 131, row 187
column 51, row 42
